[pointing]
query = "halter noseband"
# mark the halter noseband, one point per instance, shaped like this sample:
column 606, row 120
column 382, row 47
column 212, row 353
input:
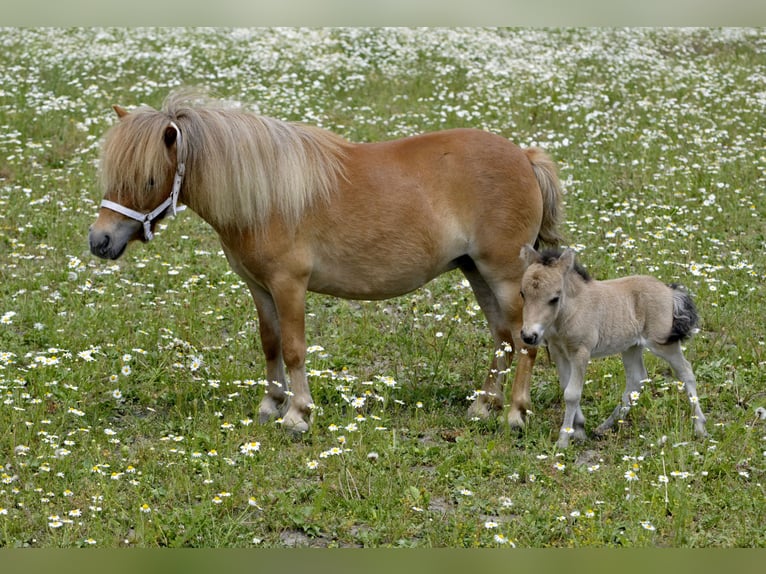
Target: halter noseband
column 171, row 202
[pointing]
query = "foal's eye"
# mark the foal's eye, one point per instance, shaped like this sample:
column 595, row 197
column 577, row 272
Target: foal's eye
column 522, row 294
column 553, row 301
column 150, row 183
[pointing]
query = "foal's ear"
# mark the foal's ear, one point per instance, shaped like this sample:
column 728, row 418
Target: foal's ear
column 567, row 259
column 120, row 111
column 170, row 136
column 529, row 255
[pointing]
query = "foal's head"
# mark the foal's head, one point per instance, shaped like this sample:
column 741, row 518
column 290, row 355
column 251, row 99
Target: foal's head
column 543, row 289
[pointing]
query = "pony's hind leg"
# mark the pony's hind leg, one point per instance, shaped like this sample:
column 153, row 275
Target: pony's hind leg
column 635, row 375
column 490, row 397
column 672, row 353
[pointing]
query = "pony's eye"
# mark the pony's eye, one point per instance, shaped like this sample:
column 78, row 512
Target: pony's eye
column 150, row 183
column 522, row 294
column 553, row 301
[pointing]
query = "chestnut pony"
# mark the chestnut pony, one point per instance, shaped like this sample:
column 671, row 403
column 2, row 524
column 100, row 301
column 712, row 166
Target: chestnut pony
column 299, row 209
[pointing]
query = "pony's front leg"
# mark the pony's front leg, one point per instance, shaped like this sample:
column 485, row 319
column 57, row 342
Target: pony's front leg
column 290, row 299
column 275, row 400
column 578, row 363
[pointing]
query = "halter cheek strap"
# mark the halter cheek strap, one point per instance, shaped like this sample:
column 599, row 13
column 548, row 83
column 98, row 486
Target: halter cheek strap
column 171, row 202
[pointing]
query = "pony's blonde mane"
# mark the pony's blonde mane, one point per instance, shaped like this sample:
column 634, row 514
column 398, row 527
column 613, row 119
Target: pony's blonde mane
column 241, row 168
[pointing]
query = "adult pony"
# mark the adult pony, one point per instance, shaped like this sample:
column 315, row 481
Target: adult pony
column 299, row 208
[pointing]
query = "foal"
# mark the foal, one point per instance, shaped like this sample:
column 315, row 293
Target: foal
column 579, row 318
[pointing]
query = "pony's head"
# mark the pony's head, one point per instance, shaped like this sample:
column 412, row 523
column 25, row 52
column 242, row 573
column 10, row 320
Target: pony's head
column 543, row 289
column 139, row 159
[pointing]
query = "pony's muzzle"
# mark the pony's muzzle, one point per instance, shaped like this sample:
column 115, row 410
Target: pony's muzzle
column 108, row 244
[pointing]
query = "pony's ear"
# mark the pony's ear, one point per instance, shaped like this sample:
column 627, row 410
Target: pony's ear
column 120, row 111
column 529, row 255
column 567, row 259
column 170, row 136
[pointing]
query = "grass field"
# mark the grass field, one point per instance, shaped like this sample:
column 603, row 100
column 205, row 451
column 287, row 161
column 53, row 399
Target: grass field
column 130, row 388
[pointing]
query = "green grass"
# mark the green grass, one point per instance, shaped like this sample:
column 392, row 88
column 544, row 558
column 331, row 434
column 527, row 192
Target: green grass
column 129, row 389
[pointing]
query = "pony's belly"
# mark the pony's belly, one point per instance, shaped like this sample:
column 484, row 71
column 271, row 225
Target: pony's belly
column 372, row 283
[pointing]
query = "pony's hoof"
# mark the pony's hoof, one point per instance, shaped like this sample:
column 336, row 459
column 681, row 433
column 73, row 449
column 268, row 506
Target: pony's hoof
column 563, row 441
column 516, row 420
column 295, row 423
column 269, row 409
column 479, row 410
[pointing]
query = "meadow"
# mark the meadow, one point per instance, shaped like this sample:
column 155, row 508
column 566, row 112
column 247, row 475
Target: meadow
column 129, row 389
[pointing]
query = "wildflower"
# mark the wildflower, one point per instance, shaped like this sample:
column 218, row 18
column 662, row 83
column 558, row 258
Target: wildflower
column 631, row 476
column 3, row 511
column 250, row 448
column 125, row 370
column 76, row 513
column 589, row 513
column 312, row 464
column 86, row 356
column 559, row 466
column 593, row 467
column 145, row 508
column 117, row 394
column 647, row 525
column 76, row 412
column 372, row 456
column 500, row 539
column 490, row 524
column 506, row 502
column 663, row 478
column 196, row 363
column 252, row 502
column 54, row 521
column 7, row 316
column 465, row 492
column 113, row 378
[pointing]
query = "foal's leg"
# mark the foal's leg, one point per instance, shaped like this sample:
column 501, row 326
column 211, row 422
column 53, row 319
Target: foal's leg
column 635, row 375
column 674, row 356
column 564, row 368
column 578, row 362
column 275, row 399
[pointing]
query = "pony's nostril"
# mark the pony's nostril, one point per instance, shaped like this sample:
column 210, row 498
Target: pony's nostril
column 99, row 245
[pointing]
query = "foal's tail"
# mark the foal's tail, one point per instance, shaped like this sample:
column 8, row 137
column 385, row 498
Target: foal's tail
column 546, row 173
column 685, row 316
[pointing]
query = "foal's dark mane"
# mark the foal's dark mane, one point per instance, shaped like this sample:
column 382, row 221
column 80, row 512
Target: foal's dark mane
column 550, row 257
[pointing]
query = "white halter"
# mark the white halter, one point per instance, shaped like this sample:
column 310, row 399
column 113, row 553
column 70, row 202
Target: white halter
column 171, row 202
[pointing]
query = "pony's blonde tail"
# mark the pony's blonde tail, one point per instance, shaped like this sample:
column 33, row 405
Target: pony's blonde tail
column 546, row 173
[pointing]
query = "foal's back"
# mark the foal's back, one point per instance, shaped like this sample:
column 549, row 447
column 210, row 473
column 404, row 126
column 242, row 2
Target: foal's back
column 621, row 313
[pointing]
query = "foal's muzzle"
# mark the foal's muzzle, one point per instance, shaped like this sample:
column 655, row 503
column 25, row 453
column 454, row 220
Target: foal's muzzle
column 531, row 338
